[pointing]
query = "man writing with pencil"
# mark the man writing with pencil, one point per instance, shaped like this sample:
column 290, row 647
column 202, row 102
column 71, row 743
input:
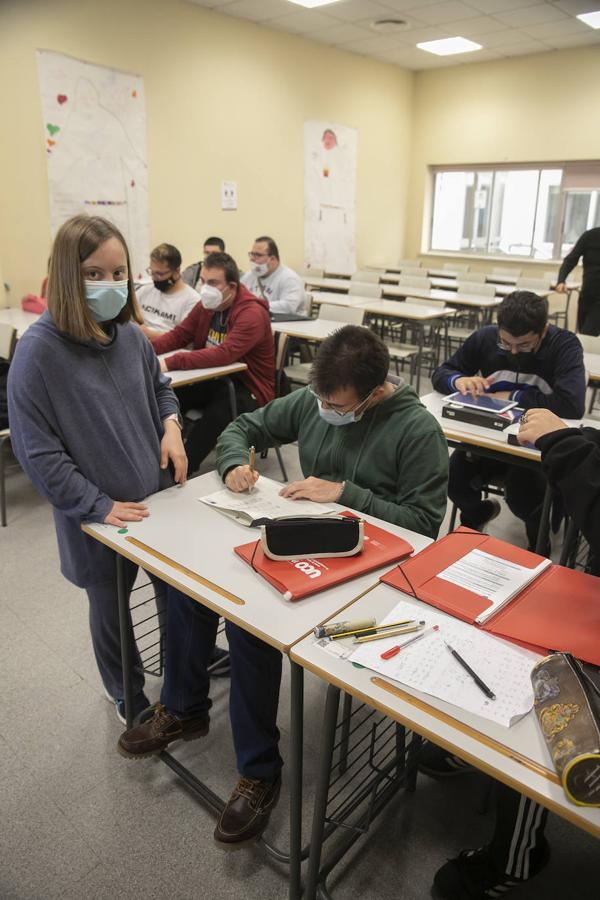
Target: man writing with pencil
column 365, row 441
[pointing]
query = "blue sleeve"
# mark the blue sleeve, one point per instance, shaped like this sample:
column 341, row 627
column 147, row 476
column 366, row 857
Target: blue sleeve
column 165, row 395
column 41, row 452
column 466, row 361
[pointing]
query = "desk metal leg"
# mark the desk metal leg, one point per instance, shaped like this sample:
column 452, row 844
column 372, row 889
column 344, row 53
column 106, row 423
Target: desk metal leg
column 544, row 529
column 419, row 358
column 320, row 809
column 124, row 630
column 232, row 398
column 296, row 756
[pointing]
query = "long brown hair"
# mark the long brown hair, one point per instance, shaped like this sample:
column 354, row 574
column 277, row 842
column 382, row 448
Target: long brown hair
column 75, row 240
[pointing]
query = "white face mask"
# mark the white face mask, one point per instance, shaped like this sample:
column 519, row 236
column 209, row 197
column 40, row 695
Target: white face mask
column 260, row 269
column 211, row 297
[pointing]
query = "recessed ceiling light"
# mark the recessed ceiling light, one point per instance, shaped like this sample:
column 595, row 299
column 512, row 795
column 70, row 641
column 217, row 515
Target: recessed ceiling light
column 592, row 19
column 449, row 46
column 312, row 4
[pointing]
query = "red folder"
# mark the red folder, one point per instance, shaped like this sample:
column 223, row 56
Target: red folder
column 559, row 610
column 296, row 579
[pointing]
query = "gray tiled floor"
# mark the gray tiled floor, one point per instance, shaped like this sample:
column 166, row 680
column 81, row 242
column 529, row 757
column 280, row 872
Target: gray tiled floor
column 77, row 821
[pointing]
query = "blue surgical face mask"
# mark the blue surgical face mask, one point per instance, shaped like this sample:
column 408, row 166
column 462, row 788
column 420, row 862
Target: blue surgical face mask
column 332, row 417
column 106, row 299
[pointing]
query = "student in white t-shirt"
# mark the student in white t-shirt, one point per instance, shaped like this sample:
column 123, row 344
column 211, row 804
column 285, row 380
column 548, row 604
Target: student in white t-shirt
column 279, row 285
column 168, row 300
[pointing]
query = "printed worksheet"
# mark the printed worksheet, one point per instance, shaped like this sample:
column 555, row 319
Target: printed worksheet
column 263, row 502
column 428, row 666
column 499, row 580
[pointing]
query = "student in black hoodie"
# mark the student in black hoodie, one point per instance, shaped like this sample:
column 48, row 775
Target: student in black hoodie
column 588, row 308
column 518, row 849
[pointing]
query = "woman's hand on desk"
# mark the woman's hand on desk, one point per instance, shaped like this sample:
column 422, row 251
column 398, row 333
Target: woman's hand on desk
column 536, row 423
column 171, row 448
column 240, row 479
column 474, row 385
column 312, row 488
column 121, row 513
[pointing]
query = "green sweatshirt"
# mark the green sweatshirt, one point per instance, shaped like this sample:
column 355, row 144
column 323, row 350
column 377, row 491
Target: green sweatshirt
column 394, row 460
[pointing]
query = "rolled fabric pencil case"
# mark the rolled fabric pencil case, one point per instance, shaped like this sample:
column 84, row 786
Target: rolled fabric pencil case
column 316, row 537
column 567, row 706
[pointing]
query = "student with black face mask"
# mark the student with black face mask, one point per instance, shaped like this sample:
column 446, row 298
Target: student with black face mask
column 522, row 358
column 168, row 300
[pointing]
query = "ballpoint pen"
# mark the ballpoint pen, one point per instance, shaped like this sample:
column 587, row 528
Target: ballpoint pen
column 480, row 684
column 391, row 633
column 393, row 651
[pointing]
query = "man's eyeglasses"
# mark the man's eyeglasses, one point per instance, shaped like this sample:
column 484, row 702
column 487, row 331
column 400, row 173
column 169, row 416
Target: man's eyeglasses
column 519, row 348
column 335, row 409
column 159, row 275
column 254, row 256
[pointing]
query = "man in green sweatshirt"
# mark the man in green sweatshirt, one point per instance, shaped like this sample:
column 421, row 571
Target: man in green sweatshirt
column 364, row 441
column 390, row 459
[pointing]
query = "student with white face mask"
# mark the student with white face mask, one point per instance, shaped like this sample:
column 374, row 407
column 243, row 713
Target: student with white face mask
column 228, row 325
column 93, row 421
column 268, row 278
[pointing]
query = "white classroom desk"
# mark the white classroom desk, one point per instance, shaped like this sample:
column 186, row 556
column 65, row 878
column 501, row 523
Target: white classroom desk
column 18, row 319
column 182, row 377
column 414, row 312
column 327, row 284
column 591, row 362
column 309, row 330
column 517, row 756
column 349, row 300
column 191, row 548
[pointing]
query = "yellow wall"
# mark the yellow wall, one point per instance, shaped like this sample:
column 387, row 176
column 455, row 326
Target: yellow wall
column 526, row 109
column 225, row 99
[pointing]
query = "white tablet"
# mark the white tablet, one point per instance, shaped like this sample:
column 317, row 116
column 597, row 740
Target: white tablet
column 485, row 402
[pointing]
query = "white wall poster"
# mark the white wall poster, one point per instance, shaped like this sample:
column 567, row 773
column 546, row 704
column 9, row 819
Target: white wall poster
column 330, row 197
column 95, row 142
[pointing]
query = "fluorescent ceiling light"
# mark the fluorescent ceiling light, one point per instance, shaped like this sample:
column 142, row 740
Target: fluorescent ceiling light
column 449, row 46
column 592, row 19
column 312, row 4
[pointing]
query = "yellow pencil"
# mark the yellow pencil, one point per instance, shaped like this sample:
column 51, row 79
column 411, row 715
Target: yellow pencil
column 384, row 634
column 251, row 457
column 371, row 629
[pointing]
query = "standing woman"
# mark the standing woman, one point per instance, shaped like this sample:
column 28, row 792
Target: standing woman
column 93, row 422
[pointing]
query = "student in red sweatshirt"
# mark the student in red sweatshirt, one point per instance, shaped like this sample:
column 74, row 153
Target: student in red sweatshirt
column 228, row 325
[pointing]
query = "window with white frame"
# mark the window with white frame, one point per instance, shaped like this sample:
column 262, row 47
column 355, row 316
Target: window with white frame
column 536, row 211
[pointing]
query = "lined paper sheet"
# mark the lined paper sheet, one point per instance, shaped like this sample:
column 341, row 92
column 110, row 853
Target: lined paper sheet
column 428, row 666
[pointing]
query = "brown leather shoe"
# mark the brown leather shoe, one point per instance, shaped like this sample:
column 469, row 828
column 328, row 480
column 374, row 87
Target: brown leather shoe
column 156, row 732
column 247, row 813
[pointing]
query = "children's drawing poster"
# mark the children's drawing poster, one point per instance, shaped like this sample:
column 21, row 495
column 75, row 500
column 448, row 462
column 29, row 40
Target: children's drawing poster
column 95, row 143
column 330, row 197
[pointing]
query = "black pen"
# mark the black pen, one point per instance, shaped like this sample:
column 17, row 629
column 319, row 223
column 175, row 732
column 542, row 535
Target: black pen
column 480, row 684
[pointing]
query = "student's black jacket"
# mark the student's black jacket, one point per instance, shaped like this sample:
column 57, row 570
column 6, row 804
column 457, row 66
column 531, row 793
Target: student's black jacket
column 571, row 462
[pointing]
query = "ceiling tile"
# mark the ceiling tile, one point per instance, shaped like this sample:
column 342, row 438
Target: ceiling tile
column 531, row 15
column 302, row 22
column 256, row 10
column 354, row 10
column 574, row 40
column 480, row 25
column 524, row 49
column 415, row 36
column 401, row 6
column 376, row 43
column 505, row 38
column 575, row 7
column 556, row 29
column 441, row 13
column 210, row 4
column 340, row 33
column 492, row 7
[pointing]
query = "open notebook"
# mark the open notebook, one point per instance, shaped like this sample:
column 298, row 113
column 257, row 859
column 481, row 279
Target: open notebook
column 263, row 504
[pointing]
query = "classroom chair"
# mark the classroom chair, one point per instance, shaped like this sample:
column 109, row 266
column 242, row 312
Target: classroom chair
column 532, row 284
column 502, row 270
column 413, row 272
column 456, row 267
column 299, row 373
column 359, row 289
column 8, row 342
column 590, row 344
column 476, row 288
column 408, row 263
column 414, row 282
column 308, row 272
column 473, row 277
column 366, row 276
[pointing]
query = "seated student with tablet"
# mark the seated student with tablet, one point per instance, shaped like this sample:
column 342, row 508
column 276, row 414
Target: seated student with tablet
column 522, row 358
column 364, row 441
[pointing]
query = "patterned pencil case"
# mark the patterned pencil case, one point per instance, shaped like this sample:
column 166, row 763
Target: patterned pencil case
column 567, row 705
